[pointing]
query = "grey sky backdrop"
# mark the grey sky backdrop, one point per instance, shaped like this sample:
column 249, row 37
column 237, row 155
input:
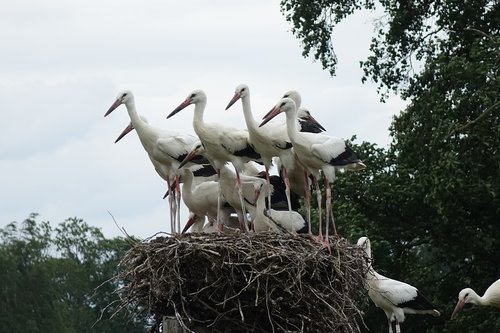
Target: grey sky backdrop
column 63, row 63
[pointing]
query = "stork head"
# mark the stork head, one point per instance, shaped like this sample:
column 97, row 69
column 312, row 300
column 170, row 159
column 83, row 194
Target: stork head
column 465, row 296
column 196, row 150
column 261, row 188
column 295, row 96
column 304, row 115
column 196, row 96
column 364, row 243
column 285, row 105
column 241, row 91
column 194, row 219
column 124, row 97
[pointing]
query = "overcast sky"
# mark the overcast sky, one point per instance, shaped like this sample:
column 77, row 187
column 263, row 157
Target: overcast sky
column 63, row 63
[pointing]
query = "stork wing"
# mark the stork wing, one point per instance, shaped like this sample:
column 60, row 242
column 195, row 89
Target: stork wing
column 326, row 148
column 235, row 141
column 403, row 295
column 176, row 146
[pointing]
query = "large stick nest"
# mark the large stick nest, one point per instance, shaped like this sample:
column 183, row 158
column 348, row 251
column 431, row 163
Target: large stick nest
column 246, row 283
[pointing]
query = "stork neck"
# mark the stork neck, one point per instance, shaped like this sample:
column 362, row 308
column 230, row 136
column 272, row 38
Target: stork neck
column 247, row 112
column 138, row 123
column 199, row 108
column 291, row 126
column 187, row 181
column 478, row 300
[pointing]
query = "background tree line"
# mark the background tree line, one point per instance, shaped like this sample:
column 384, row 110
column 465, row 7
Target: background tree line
column 53, row 279
column 431, row 201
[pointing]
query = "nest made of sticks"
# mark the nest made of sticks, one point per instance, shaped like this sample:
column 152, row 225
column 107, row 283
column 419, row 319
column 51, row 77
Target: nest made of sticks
column 246, row 283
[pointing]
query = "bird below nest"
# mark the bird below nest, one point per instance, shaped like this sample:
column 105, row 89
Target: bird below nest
column 246, row 283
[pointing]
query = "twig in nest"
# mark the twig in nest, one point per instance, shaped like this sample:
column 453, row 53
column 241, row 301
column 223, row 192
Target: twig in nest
column 263, row 282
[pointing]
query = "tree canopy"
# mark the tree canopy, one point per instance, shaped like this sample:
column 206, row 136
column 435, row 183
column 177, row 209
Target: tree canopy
column 407, row 33
column 430, row 202
column 55, row 279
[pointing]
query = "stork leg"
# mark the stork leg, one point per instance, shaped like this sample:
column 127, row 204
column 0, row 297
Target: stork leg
column 174, row 212
column 390, row 326
column 308, row 201
column 178, row 201
column 329, row 203
column 328, row 207
column 287, row 188
column 398, row 328
column 268, row 192
column 170, row 206
column 320, row 213
column 240, row 193
column 220, row 226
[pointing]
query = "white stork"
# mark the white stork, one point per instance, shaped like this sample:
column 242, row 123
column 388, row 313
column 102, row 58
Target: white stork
column 396, row 298
column 269, row 141
column 273, row 220
column 163, row 148
column 317, row 151
column 221, row 143
column 297, row 176
column 491, row 297
column 201, row 199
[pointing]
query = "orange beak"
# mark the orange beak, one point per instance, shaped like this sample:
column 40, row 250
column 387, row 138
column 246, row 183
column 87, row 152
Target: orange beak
column 116, row 104
column 236, row 97
column 270, row 115
column 189, row 223
column 184, row 104
column 127, row 129
column 460, row 305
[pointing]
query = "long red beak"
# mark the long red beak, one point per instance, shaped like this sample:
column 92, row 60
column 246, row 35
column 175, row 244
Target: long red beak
column 180, row 107
column 116, row 104
column 270, row 115
column 236, row 97
column 460, row 305
column 314, row 121
column 256, row 194
column 192, row 154
column 127, row 129
column 267, row 114
column 189, row 223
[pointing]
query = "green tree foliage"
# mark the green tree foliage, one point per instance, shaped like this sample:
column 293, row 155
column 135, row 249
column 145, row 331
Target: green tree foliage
column 430, row 202
column 50, row 279
column 407, row 32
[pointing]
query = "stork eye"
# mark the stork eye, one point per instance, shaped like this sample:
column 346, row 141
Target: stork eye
column 192, row 96
column 283, row 104
column 286, row 96
column 124, row 94
column 243, row 89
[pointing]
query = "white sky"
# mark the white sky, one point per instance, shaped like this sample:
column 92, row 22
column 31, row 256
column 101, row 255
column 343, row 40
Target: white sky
column 63, row 63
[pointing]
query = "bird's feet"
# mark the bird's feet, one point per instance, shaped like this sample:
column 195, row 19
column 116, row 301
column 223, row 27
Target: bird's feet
column 326, row 242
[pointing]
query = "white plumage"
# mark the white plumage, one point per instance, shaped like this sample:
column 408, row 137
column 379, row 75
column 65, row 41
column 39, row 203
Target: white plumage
column 222, row 143
column 491, row 297
column 163, row 148
column 396, row 298
column 316, row 151
column 269, row 141
column 273, row 220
